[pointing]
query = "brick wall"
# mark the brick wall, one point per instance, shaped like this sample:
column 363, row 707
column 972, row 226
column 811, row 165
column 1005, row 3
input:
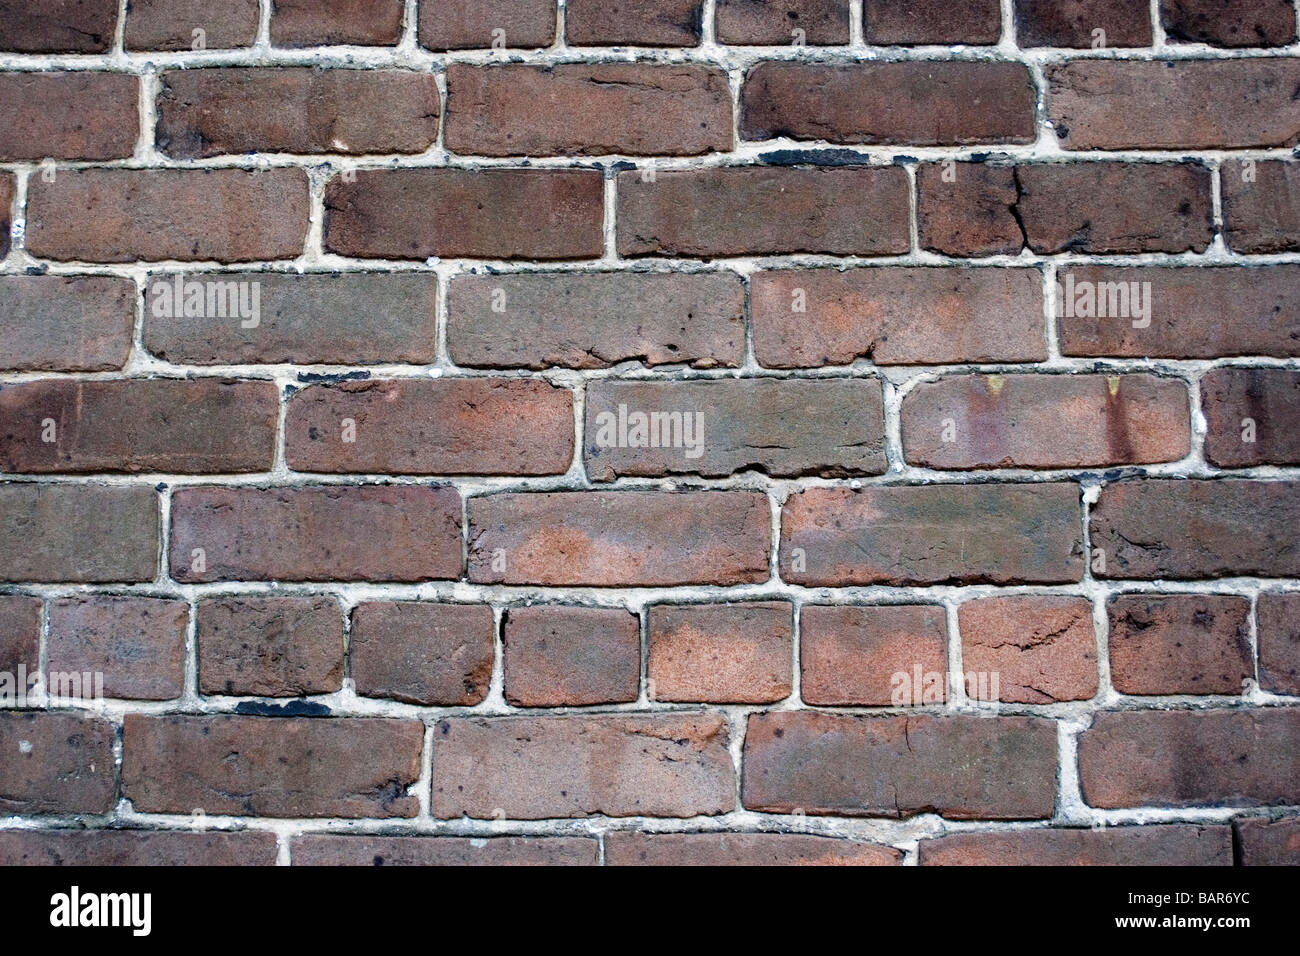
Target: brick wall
column 335, row 335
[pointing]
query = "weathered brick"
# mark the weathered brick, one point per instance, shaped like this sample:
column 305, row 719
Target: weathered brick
column 997, row 768
column 433, row 654
column 744, row 210
column 171, row 24
column 1237, row 23
column 968, row 209
column 783, row 427
column 1046, row 421
column 325, row 850
column 533, row 768
column 57, row 26
column 469, row 213
column 56, row 763
column 596, row 320
column 271, row 766
column 476, row 24
column 6, row 210
column 873, row 656
column 1279, row 642
column 914, row 22
column 1151, row 845
column 480, row 426
column 65, row 323
column 123, row 215
column 103, row 848
column 20, row 640
column 571, row 656
column 1269, row 842
column 633, row 848
column 1261, row 207
column 1029, row 649
column 323, row 533
column 315, row 23
column 1072, row 23
column 932, row 534
column 270, row 647
column 83, row 115
column 1183, row 758
column 195, row 426
column 927, row 103
column 763, row 23
column 1167, row 528
column 136, row 643
column 1253, row 414
column 1175, row 104
column 620, row 538
column 721, row 653
column 86, row 533
column 633, row 22
column 1179, row 643
column 235, row 110
column 896, row 316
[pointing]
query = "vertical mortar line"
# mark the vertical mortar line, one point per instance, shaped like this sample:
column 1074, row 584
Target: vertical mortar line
column 1253, row 633
column 263, row 44
column 913, row 209
column 1157, row 26
column 410, row 28
column 119, row 31
column 18, row 216
column 796, row 651
column 146, row 146
column 609, row 214
column 43, row 651
column 956, row 697
column 440, row 84
column 1220, row 243
column 750, row 359
column 856, row 25
column 1197, row 424
column 893, row 400
column 495, row 701
column 280, row 464
column 1050, row 312
column 424, row 783
column 190, row 692
column 313, row 244
column 708, row 23
column 442, row 314
column 164, row 500
column 282, row 852
column 1069, row 793
column 644, row 697
column 1006, row 9
column 600, row 848
column 735, row 84
column 137, row 356
column 561, row 26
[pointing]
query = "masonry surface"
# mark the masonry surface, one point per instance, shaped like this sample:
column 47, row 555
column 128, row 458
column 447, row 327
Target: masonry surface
column 685, row 431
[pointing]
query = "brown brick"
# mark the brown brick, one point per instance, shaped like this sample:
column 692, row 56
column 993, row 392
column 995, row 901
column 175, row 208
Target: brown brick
column 81, row 115
column 1151, row 845
column 87, row 533
column 633, row 22
column 479, row 426
column 432, row 654
column 619, row 538
column 237, row 110
column 1279, row 643
column 316, row 23
column 534, row 768
column 928, row 103
column 721, row 653
column 1183, row 758
column 932, row 534
column 571, row 656
column 1046, row 421
column 56, row 763
column 20, row 640
column 1176, row 104
column 312, row 319
column 136, row 848
column 1269, row 842
column 195, row 426
column 136, row 643
column 897, row 316
column 1259, row 404
column 322, row 533
column 632, row 848
column 1029, row 649
column 873, row 656
column 57, row 26
column 914, row 22
column 472, row 24
column 122, row 215
column 967, row 209
column 998, row 768
column 325, row 850
column 65, row 323
column 1229, row 24
column 783, row 427
column 170, row 24
column 1169, row 528
column 1180, row 643
column 756, row 210
column 1070, row 23
column 466, row 213
column 1261, row 207
column 763, row 23
column 596, row 320
column 270, row 647
column 271, row 766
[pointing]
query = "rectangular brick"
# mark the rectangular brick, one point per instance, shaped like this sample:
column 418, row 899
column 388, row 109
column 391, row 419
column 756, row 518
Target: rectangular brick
column 270, row 647
column 322, row 533
column 1252, row 416
column 1180, row 643
column 1031, row 649
column 170, row 24
column 136, row 643
column 1264, row 842
column 643, row 23
column 298, row 23
column 1243, row 23
column 57, row 26
column 325, row 850
column 83, row 115
column 873, row 656
column 721, row 653
column 56, row 763
column 1150, row 845
column 1261, row 206
column 1278, row 623
column 422, row 653
column 633, row 848
column 477, row 24
column 105, row 848
column 917, row 22
column 571, row 656
column 20, row 641
column 762, row 23
column 1124, row 23
column 65, row 323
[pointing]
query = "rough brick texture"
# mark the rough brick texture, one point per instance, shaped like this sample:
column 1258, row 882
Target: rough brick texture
column 480, row 24
column 68, row 115
column 422, row 653
column 762, row 23
column 1072, row 23
column 443, row 851
column 1179, row 644
column 1042, row 649
column 171, row 24
column 302, row 23
column 58, row 324
column 137, row 644
column 571, row 656
column 136, row 848
column 1261, row 206
column 911, row 22
column 57, row 26
column 1251, row 413
column 873, row 656
column 56, row 763
column 721, row 653
column 630, row 848
column 1173, row 845
column 1237, row 24
column 1279, row 643
column 270, row 647
column 633, row 22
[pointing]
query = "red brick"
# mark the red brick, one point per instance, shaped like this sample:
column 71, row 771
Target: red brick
column 997, row 768
column 763, row 23
column 757, row 210
column 871, row 656
column 721, row 653
column 238, row 110
column 322, row 533
column 170, row 24
column 1261, row 207
column 271, row 766
column 57, row 26
column 20, row 640
column 632, row 848
column 1168, row 528
column 270, row 647
column 87, row 533
column 1180, row 643
column 571, row 656
column 1269, row 842
column 325, row 850
column 1236, row 24
column 897, row 316
column 472, row 24
column 534, row 768
column 478, row 426
column 466, row 213
column 1029, row 649
column 915, row 22
column 927, row 103
column 1279, row 642
column 122, row 215
column 1151, row 845
column 66, row 323
column 596, row 320
column 103, row 848
column 196, row 426
column 1260, row 404
column 80, row 115
column 633, row 22
column 619, row 538
column 1046, row 421
column 1175, row 104
column 56, row 763
column 968, row 209
column 932, row 534
column 1070, row 23
column 316, row 23
column 1183, row 758
column 136, row 643
column 432, row 654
